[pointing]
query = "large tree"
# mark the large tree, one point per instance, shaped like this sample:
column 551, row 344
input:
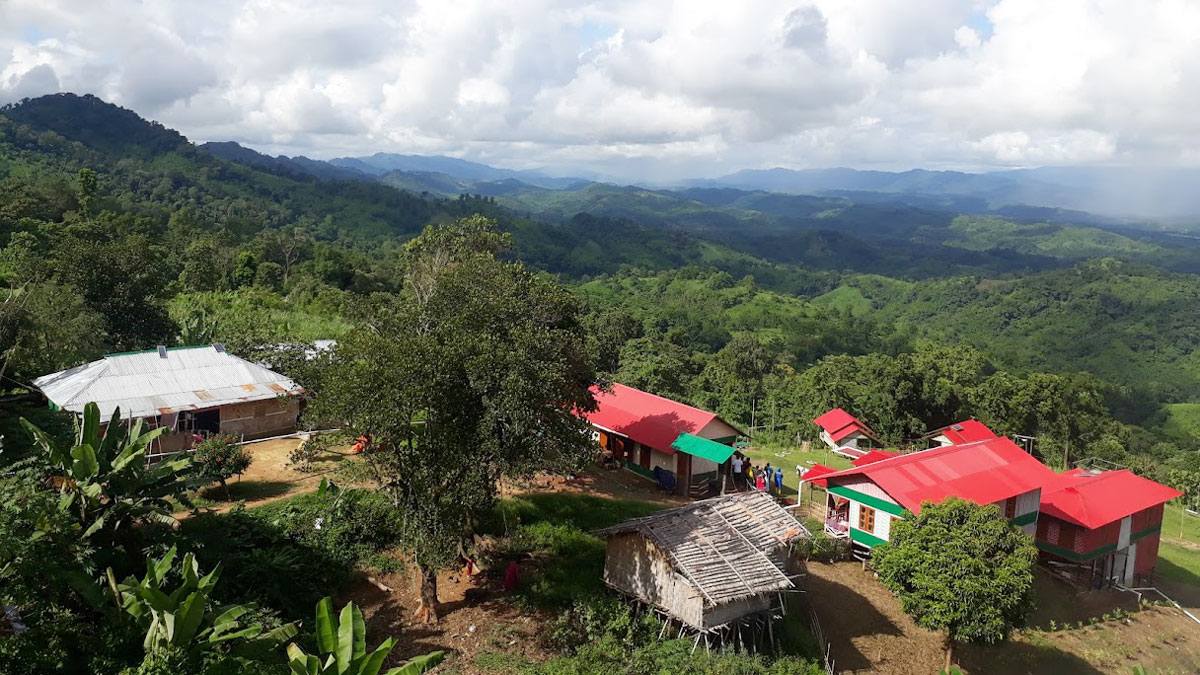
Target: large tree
column 960, row 568
column 473, row 372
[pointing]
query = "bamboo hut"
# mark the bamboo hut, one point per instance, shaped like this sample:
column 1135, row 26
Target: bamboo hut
column 706, row 565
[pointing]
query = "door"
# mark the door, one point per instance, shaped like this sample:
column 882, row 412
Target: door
column 683, row 473
column 643, row 456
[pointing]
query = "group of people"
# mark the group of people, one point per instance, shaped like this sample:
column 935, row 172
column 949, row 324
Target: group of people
column 747, row 476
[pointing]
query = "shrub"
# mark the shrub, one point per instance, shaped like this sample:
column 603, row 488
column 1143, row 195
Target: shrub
column 601, row 617
column 289, row 554
column 219, row 458
column 608, row 657
column 821, row 548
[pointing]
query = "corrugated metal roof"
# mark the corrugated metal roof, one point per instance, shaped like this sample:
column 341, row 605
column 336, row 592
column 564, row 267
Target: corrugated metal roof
column 648, row 419
column 702, row 447
column 983, row 472
column 1094, row 500
column 143, row 384
column 966, row 431
column 839, row 424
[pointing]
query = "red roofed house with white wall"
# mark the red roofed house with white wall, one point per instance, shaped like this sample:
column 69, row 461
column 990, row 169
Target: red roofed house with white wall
column 840, row 429
column 861, row 502
column 1102, row 527
column 967, row 431
column 643, row 431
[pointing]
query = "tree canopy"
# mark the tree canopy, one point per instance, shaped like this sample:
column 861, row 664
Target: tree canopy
column 471, row 373
column 960, row 568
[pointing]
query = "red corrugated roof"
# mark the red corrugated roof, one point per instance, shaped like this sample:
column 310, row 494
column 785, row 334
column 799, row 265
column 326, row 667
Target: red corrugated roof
column 1096, row 499
column 967, row 431
column 648, row 419
column 839, row 424
column 983, row 472
column 814, row 472
column 873, row 456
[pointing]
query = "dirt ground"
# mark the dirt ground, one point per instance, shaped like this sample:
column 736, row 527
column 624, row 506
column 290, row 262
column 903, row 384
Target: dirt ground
column 871, row 633
column 488, row 621
column 270, row 476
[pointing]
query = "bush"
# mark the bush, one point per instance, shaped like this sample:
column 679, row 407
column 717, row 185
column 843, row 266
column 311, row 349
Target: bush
column 289, row 554
column 609, row 657
column 821, row 548
column 601, row 617
column 219, row 458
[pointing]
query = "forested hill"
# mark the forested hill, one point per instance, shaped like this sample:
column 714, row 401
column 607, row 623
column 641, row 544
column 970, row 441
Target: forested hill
column 119, row 234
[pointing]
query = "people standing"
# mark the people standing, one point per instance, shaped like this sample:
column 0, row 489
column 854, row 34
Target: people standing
column 738, row 479
column 779, row 481
column 760, row 481
column 770, row 477
column 749, row 474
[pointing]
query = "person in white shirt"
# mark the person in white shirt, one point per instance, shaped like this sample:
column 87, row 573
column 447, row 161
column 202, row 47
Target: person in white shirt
column 738, row 478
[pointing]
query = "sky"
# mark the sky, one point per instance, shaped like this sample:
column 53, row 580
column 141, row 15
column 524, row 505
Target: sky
column 643, row 90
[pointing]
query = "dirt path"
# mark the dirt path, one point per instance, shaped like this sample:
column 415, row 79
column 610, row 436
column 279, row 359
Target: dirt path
column 871, row 633
column 270, row 477
column 477, row 616
column 864, row 622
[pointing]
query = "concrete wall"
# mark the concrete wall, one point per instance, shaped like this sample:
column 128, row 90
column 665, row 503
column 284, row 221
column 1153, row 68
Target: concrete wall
column 260, row 419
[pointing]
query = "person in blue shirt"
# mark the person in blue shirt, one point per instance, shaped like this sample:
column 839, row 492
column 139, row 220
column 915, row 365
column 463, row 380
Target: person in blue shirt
column 770, row 471
column 779, row 481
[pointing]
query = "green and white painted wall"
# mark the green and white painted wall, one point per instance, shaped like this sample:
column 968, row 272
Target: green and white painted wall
column 872, row 510
column 864, row 494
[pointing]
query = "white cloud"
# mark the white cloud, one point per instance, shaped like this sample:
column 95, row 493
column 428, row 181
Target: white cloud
column 637, row 87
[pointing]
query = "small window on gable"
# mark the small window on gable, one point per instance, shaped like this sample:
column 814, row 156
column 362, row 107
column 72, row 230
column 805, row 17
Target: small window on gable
column 866, row 518
column 1010, row 508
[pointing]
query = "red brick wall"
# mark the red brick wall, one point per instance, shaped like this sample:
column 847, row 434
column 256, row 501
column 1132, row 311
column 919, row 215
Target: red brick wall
column 1147, row 554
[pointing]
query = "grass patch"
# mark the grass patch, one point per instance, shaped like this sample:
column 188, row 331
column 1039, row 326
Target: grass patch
column 553, row 529
column 1179, row 564
column 1182, row 421
column 1179, row 525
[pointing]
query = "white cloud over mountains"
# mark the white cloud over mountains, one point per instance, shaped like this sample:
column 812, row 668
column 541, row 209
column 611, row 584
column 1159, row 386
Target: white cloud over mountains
column 641, row 89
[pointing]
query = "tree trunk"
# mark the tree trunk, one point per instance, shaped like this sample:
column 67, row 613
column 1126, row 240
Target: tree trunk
column 225, row 487
column 427, row 610
column 949, row 653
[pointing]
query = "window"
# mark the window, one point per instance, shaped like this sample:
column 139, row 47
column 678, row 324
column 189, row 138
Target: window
column 866, row 518
column 1010, row 508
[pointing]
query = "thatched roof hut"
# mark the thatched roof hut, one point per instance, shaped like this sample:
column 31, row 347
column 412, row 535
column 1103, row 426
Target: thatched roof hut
column 705, row 564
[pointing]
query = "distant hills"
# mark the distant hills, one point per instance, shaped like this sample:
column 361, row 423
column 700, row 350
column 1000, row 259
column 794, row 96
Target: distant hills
column 1086, row 195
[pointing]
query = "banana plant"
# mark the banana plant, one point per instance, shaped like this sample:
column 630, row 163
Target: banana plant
column 104, row 477
column 185, row 621
column 343, row 648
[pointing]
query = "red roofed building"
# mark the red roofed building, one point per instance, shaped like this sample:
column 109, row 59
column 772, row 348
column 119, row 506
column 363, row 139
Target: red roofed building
column 967, row 431
column 642, row 429
column 873, row 456
column 840, row 429
column 862, row 501
column 1106, row 524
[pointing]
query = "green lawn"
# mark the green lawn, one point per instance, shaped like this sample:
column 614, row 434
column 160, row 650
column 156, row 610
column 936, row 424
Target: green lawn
column 1177, row 525
column 791, row 456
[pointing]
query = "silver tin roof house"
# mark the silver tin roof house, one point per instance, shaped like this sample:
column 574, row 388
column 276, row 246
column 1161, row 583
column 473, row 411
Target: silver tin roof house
column 191, row 390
